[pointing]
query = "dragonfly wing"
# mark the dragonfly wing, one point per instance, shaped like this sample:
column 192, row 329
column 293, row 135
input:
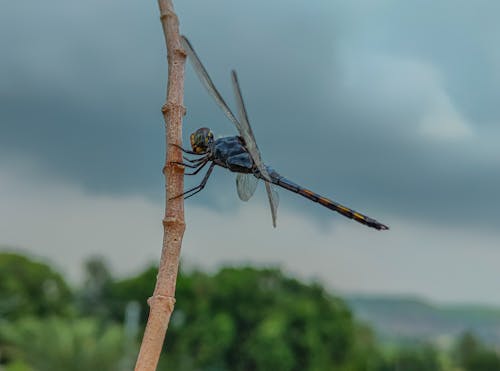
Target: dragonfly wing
column 274, row 201
column 207, row 81
column 246, row 184
column 246, row 133
column 245, row 129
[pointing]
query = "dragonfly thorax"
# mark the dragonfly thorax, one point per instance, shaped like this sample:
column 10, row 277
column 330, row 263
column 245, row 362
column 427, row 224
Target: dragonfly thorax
column 201, row 140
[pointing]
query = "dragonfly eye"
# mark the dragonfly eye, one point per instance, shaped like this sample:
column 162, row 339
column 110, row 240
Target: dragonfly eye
column 192, row 139
column 201, row 139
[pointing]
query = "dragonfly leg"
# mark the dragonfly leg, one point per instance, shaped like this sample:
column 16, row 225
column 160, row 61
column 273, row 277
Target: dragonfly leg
column 198, row 188
column 184, row 164
column 184, row 150
column 196, row 160
column 201, row 166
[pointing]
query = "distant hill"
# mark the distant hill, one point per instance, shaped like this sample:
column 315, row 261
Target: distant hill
column 413, row 319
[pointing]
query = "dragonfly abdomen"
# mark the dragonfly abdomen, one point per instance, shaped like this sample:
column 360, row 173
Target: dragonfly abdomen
column 326, row 202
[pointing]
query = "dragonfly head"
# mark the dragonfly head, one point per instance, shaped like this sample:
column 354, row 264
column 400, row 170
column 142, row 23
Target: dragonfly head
column 201, row 140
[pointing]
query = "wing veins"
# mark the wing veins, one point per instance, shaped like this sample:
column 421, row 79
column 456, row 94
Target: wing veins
column 243, row 126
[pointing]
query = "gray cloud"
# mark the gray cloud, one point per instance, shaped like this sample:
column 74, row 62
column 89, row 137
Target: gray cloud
column 389, row 107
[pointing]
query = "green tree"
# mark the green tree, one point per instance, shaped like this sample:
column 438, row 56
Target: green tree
column 134, row 289
column 251, row 319
column 55, row 344
column 365, row 354
column 471, row 355
column 30, row 288
column 94, row 296
column 416, row 359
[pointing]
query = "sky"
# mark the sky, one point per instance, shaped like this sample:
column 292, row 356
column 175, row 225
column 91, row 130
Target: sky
column 388, row 107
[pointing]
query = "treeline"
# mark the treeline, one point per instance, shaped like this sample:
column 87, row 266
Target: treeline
column 235, row 319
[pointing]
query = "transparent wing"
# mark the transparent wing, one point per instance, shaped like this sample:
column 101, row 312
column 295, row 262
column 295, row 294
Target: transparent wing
column 207, row 81
column 274, row 200
column 246, row 184
column 246, row 132
column 244, row 129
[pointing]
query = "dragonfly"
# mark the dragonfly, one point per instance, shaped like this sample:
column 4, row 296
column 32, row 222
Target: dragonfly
column 240, row 154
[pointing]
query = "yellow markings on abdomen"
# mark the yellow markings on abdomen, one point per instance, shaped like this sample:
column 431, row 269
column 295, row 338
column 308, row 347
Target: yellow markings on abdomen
column 344, row 209
column 358, row 216
column 329, row 203
column 324, row 201
column 308, row 192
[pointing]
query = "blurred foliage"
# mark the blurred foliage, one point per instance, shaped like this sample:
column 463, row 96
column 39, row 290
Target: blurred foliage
column 30, row 288
column 471, row 355
column 235, row 319
column 232, row 320
column 55, row 344
column 93, row 297
column 365, row 354
column 416, row 359
column 135, row 289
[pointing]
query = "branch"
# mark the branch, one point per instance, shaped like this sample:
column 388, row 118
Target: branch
column 162, row 302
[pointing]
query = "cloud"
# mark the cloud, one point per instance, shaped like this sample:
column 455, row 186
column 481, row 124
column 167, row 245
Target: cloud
column 390, row 107
column 392, row 85
column 397, row 86
column 444, row 122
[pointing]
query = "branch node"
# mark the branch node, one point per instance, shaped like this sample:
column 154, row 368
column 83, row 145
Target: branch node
column 177, row 167
column 170, row 220
column 166, row 302
column 181, row 52
column 169, row 106
column 168, row 13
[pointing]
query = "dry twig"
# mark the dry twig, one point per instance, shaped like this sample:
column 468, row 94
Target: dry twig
column 162, row 302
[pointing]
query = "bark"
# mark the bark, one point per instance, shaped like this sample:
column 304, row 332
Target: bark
column 162, row 302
